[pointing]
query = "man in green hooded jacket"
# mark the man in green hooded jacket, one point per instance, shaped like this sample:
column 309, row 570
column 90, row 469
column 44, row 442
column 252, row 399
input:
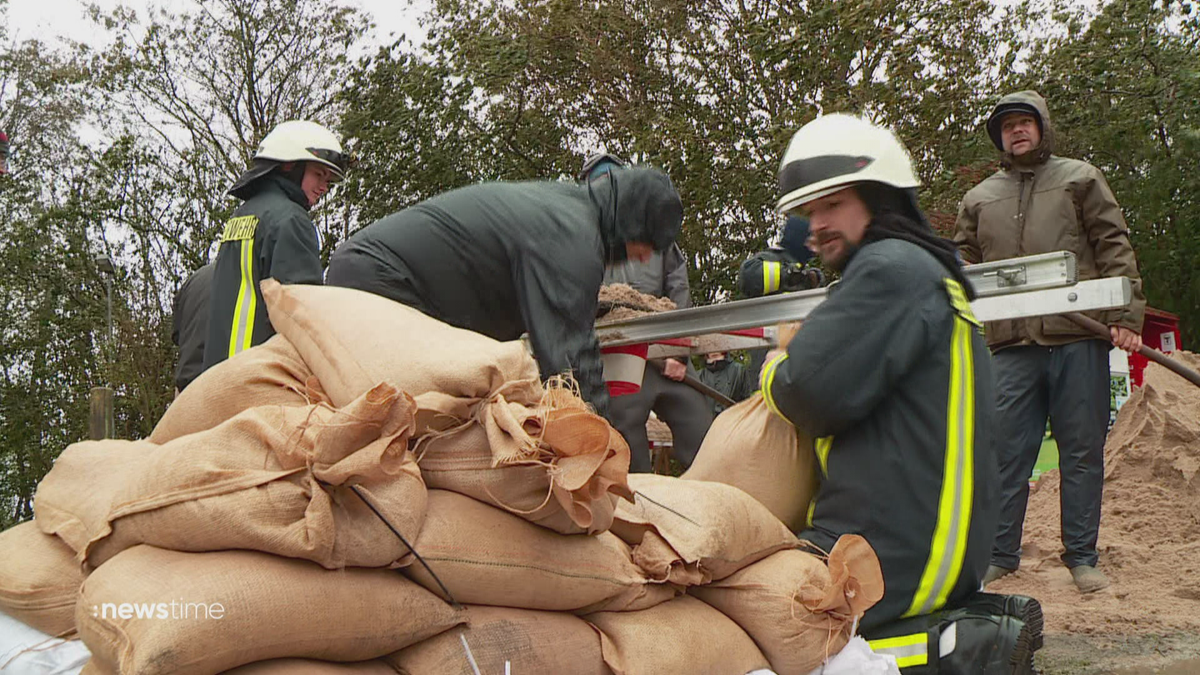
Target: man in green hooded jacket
column 1039, row 202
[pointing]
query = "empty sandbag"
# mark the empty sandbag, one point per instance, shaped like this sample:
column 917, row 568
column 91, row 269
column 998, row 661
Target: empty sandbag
column 486, row 556
column 39, row 579
column 229, row 608
column 274, row 479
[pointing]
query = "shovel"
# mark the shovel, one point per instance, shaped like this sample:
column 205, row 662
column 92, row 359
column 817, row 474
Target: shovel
column 1153, row 354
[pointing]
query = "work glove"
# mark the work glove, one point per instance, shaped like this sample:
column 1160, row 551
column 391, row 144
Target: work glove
column 798, row 278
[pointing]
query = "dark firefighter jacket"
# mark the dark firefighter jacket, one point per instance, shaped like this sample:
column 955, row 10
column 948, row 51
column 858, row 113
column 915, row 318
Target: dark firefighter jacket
column 269, row 236
column 891, row 375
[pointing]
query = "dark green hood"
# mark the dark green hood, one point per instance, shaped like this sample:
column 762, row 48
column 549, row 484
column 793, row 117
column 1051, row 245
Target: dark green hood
column 1028, row 101
column 636, row 204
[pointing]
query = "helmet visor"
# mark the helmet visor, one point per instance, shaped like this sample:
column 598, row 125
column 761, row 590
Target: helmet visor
column 338, row 160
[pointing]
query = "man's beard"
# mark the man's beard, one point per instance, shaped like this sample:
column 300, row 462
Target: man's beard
column 836, row 262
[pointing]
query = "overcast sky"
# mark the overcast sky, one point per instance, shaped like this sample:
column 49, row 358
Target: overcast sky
column 47, row 19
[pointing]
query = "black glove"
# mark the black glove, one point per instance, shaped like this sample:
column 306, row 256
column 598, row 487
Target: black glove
column 797, row 278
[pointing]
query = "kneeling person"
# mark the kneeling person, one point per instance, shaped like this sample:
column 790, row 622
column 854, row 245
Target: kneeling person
column 890, row 374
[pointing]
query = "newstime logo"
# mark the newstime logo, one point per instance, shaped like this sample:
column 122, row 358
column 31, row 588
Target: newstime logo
column 159, row 610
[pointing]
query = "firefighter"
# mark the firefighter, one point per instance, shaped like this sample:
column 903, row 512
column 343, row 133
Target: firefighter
column 271, row 234
column 506, row 258
column 892, row 377
column 781, row 268
column 189, row 324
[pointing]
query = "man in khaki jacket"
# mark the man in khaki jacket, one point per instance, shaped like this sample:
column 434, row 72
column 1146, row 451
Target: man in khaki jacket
column 1048, row 366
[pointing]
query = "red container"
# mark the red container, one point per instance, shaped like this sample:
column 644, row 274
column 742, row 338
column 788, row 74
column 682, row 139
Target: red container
column 1159, row 331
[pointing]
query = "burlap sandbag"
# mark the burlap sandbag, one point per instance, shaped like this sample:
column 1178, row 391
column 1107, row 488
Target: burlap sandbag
column 270, row 607
column 799, row 610
column 270, row 374
column 313, row 667
column 530, row 641
column 486, row 556
column 680, row 636
column 272, row 479
column 39, row 579
column 751, row 448
column 556, row 464
column 692, row 532
column 353, row 340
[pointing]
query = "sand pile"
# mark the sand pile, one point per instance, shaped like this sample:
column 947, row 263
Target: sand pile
column 626, row 303
column 1150, row 524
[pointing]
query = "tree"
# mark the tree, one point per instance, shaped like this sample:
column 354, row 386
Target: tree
column 1124, row 90
column 709, row 90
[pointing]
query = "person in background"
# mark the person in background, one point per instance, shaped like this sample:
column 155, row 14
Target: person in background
column 728, row 377
column 1048, row 366
column 683, row 409
column 779, row 269
column 189, row 324
column 271, row 234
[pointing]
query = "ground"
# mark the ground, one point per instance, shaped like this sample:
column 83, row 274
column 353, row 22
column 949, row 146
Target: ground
column 1176, row 654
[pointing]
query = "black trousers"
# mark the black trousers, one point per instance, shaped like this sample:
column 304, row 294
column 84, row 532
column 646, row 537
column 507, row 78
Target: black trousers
column 683, row 409
column 1070, row 385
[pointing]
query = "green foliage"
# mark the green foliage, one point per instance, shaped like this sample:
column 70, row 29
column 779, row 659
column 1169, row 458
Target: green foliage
column 710, row 90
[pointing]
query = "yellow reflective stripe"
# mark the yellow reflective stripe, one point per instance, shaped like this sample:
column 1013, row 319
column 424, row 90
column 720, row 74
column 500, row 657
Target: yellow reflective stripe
column 958, row 300
column 945, row 561
column 823, row 446
column 908, row 650
column 771, row 275
column 241, row 333
column 767, row 380
column 812, row 506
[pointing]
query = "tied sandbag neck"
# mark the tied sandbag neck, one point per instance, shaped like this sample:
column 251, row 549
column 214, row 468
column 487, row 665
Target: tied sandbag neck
column 453, row 603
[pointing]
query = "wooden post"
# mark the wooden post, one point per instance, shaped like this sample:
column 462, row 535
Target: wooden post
column 101, row 424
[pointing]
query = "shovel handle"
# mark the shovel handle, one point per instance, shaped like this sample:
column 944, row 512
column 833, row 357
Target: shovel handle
column 699, row 386
column 1152, row 354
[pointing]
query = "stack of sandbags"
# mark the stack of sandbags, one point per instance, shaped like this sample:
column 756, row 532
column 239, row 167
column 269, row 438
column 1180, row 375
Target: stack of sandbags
column 486, row 427
column 272, row 478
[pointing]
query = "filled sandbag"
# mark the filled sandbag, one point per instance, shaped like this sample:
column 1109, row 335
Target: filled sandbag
column 680, row 636
column 229, row 608
column 529, row 641
column 313, row 667
column 39, row 579
column 354, row 340
column 269, row 374
column 486, row 556
column 692, row 532
column 557, row 464
column 274, row 479
column 753, row 449
column 798, row 608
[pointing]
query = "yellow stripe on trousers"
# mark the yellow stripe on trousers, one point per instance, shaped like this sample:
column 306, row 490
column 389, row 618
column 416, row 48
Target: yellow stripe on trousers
column 241, row 335
column 954, row 506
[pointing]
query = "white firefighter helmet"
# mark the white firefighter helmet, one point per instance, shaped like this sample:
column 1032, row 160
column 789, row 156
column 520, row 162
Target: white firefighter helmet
column 300, row 141
column 836, row 151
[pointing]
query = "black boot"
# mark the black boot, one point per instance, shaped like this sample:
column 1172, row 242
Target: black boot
column 985, row 635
